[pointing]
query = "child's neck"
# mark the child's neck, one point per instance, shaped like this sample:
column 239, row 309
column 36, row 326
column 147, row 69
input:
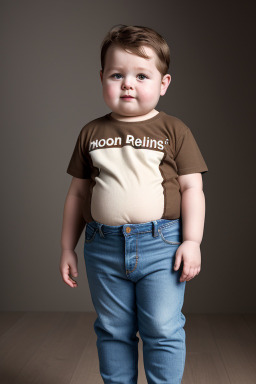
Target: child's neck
column 153, row 113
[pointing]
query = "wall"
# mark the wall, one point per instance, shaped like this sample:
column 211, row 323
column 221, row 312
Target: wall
column 51, row 88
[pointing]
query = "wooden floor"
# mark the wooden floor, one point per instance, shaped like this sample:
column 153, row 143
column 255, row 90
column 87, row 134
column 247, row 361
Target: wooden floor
column 60, row 348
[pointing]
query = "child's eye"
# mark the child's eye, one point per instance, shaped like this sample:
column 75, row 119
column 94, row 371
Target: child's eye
column 143, row 76
column 116, row 74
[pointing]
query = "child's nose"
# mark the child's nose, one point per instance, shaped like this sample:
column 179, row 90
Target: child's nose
column 127, row 83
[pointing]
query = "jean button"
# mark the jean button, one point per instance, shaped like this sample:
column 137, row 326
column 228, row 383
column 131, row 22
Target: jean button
column 128, row 229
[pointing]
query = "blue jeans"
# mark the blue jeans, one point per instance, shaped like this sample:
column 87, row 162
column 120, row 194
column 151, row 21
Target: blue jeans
column 134, row 288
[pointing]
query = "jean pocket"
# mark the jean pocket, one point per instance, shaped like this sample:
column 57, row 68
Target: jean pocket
column 90, row 233
column 170, row 235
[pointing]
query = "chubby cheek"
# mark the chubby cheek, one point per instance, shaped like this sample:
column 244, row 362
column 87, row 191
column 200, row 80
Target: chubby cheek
column 146, row 95
column 110, row 92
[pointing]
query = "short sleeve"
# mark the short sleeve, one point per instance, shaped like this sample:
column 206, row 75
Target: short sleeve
column 188, row 157
column 79, row 165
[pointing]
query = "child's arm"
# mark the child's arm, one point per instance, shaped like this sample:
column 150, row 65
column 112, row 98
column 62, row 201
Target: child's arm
column 72, row 227
column 193, row 215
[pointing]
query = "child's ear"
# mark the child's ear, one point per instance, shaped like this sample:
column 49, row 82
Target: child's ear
column 165, row 83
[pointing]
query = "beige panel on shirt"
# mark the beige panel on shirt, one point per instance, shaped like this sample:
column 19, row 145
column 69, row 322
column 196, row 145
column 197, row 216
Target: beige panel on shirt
column 129, row 186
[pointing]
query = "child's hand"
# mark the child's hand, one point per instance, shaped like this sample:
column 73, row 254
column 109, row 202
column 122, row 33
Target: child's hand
column 68, row 267
column 191, row 254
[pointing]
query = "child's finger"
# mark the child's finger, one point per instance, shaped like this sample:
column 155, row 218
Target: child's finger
column 192, row 273
column 177, row 261
column 66, row 277
column 73, row 271
column 73, row 282
column 185, row 272
column 67, row 280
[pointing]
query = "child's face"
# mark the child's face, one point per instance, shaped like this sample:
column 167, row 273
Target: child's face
column 129, row 74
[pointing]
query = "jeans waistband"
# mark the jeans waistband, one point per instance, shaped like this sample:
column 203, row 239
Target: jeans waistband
column 135, row 228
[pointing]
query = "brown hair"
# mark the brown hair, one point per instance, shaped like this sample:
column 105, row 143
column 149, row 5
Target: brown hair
column 132, row 38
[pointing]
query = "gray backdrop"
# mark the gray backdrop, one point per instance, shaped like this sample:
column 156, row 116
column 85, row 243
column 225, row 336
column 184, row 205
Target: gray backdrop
column 51, row 88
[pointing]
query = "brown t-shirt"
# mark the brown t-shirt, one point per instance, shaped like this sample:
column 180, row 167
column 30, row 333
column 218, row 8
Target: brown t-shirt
column 133, row 167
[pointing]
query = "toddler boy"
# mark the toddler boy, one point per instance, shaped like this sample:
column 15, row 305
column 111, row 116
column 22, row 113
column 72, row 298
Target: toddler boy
column 137, row 189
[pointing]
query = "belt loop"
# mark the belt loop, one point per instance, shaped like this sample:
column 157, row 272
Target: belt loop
column 155, row 232
column 100, row 230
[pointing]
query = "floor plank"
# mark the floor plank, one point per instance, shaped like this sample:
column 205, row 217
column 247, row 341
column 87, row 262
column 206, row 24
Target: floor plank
column 203, row 362
column 21, row 341
column 8, row 319
column 236, row 346
column 57, row 357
